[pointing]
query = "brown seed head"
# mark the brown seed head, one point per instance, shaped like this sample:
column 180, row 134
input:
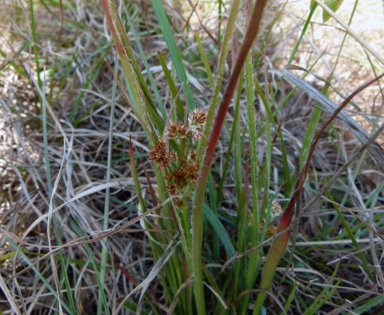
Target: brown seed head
column 178, row 203
column 159, row 155
column 182, row 161
column 197, row 135
column 193, row 170
column 169, row 177
column 177, row 131
column 197, row 116
column 181, row 176
column 196, row 122
column 271, row 230
column 174, row 155
column 171, row 189
column 192, row 155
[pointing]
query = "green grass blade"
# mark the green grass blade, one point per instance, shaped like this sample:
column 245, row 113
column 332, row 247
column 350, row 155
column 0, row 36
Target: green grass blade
column 269, row 32
column 129, row 63
column 369, row 305
column 290, row 298
column 274, row 255
column 20, row 70
column 294, row 51
column 37, row 272
column 149, row 73
column 237, row 150
column 174, row 51
column 35, row 47
column 79, row 233
column 219, row 77
column 351, row 235
column 148, row 103
column 319, row 301
column 242, row 238
column 235, row 134
column 205, row 60
column 269, row 121
column 212, row 283
column 220, row 230
column 213, row 204
column 254, row 230
column 172, row 86
column 168, row 225
column 50, row 191
column 90, row 78
column 225, row 168
column 174, row 274
column 132, row 307
column 107, row 192
column 239, row 189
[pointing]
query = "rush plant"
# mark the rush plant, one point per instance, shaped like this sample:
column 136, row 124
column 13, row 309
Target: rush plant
column 217, row 245
column 182, row 146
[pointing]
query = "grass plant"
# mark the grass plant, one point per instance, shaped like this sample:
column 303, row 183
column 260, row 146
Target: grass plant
column 169, row 165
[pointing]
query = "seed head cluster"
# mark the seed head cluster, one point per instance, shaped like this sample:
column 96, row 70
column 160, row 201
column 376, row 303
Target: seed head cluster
column 249, row 217
column 192, row 155
column 196, row 122
column 193, row 170
column 276, row 208
column 177, row 131
column 197, row 116
column 186, row 172
column 159, row 154
column 271, row 230
column 179, row 171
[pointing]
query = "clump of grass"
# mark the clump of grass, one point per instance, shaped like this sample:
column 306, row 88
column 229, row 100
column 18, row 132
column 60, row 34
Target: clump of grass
column 219, row 207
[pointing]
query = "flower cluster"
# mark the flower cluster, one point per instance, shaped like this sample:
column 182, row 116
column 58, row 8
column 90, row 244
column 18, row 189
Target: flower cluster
column 196, row 122
column 271, row 230
column 249, row 217
column 180, row 170
column 177, row 131
column 158, row 154
column 276, row 209
column 192, row 155
column 186, row 172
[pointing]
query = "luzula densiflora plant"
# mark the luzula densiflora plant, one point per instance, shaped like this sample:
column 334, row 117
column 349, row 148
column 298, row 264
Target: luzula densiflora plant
column 182, row 153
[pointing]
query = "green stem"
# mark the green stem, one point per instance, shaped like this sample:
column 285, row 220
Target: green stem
column 106, row 202
column 35, row 48
column 197, row 207
column 219, row 77
column 253, row 258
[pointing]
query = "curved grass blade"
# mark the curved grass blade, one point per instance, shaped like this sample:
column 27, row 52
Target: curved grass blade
column 103, row 261
column 37, row 272
column 123, row 47
column 52, row 216
column 220, row 230
column 144, row 59
column 375, row 149
column 174, row 51
column 279, row 245
column 172, row 86
column 205, row 60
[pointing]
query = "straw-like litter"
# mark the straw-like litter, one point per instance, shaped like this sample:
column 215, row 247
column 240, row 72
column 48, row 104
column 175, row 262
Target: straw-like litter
column 77, row 156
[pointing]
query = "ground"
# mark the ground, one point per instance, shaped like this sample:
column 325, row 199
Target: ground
column 56, row 94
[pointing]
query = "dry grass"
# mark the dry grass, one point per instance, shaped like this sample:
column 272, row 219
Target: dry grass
column 78, row 153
